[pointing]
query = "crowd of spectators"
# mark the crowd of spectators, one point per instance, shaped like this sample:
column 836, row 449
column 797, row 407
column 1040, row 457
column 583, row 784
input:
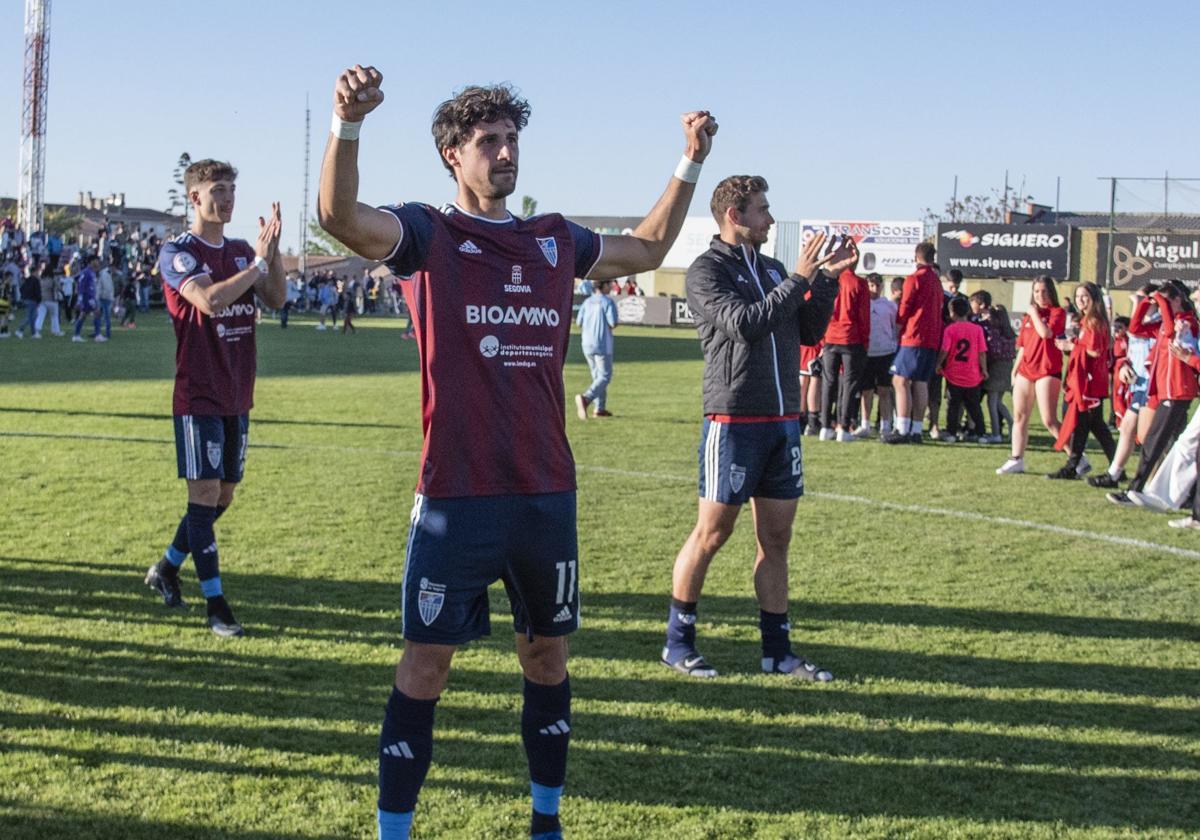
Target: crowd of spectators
column 1067, row 357
column 46, row 283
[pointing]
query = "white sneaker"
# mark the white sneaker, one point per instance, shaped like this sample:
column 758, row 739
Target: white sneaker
column 1012, row 466
column 320, row 326
column 78, row 338
column 935, row 433
column 1084, row 467
column 19, row 334
column 1185, row 522
column 826, row 434
column 845, row 437
column 37, row 335
column 862, row 432
column 100, row 339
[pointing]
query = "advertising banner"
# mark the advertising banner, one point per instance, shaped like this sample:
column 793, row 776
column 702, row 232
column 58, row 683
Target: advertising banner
column 1141, row 258
column 681, row 313
column 884, row 247
column 1005, row 250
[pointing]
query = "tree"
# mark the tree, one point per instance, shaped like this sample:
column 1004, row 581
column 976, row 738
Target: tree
column 985, row 209
column 62, row 222
column 177, row 196
column 324, row 245
column 528, row 206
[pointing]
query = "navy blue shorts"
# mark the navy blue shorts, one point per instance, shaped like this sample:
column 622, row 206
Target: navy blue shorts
column 741, row 460
column 458, row 547
column 915, row 363
column 211, row 446
column 1139, row 393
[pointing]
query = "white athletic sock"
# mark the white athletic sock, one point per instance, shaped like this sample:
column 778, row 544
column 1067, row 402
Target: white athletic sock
column 903, row 424
column 917, row 426
column 1114, row 471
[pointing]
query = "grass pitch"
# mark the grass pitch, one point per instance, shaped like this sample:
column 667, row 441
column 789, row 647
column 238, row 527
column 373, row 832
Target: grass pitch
column 1000, row 673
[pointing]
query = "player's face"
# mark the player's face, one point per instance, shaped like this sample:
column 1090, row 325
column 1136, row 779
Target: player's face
column 214, row 201
column 487, row 162
column 754, row 223
column 873, row 288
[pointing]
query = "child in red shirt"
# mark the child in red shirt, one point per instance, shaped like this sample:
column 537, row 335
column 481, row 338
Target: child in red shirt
column 963, row 363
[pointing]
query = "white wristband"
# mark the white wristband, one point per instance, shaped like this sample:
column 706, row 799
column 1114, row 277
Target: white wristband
column 343, row 130
column 262, row 266
column 688, row 170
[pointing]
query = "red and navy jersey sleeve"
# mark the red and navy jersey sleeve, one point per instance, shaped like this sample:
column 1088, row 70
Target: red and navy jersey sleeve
column 416, row 232
column 177, row 264
column 588, row 248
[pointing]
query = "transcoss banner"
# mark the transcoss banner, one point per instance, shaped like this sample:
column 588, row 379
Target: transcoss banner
column 1005, row 250
column 1141, row 258
column 883, row 247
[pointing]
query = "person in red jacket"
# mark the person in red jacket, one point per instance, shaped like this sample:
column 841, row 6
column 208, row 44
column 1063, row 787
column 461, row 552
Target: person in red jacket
column 810, row 388
column 1087, row 382
column 919, row 320
column 1173, row 383
column 1037, row 370
column 844, row 357
column 1120, row 350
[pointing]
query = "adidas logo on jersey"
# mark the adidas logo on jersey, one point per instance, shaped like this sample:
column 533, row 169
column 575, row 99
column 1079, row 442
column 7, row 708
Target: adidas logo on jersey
column 563, row 615
column 469, row 247
column 399, row 750
column 560, row 728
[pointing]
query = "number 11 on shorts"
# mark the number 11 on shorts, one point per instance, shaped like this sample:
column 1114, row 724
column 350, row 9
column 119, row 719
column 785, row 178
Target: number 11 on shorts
column 565, row 587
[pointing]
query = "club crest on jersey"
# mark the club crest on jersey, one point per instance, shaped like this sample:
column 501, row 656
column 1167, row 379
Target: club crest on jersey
column 183, row 262
column 549, row 247
column 517, row 274
column 213, row 451
column 430, row 600
column 240, row 262
column 774, row 274
column 737, row 477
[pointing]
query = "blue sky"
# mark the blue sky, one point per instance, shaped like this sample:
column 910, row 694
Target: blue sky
column 854, row 111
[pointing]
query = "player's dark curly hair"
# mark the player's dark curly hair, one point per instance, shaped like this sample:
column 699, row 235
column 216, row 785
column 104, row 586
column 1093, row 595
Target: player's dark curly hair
column 735, row 191
column 207, row 170
column 454, row 118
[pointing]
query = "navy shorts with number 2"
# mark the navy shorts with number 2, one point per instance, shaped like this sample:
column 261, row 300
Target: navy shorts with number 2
column 458, row 547
column 739, row 461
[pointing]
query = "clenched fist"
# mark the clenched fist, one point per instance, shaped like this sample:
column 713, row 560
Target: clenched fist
column 357, row 93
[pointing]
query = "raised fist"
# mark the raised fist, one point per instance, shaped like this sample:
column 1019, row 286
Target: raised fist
column 357, row 93
column 699, row 128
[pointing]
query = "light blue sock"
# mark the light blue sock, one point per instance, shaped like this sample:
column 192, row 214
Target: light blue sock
column 545, row 799
column 211, row 587
column 174, row 556
column 393, row 826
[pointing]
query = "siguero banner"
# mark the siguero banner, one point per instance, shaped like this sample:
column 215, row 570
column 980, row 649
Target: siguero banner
column 1004, row 250
column 1141, row 258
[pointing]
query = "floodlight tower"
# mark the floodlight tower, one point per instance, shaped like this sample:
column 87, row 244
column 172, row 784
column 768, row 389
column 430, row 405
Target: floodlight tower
column 30, row 209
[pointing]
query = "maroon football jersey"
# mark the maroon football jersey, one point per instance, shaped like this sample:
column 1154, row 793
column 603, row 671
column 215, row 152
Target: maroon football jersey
column 491, row 305
column 214, row 357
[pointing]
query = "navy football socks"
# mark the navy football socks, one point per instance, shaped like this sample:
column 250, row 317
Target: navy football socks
column 546, row 732
column 204, row 542
column 181, row 545
column 405, row 751
column 774, row 628
column 681, row 629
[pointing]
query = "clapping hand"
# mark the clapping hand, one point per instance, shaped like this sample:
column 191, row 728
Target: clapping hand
column 267, row 245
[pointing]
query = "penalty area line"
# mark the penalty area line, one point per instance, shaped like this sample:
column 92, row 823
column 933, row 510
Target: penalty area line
column 972, row 516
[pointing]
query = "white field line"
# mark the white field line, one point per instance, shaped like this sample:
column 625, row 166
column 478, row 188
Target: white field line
column 972, row 516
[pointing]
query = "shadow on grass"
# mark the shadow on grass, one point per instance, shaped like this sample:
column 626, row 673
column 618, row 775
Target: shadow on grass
column 751, row 732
